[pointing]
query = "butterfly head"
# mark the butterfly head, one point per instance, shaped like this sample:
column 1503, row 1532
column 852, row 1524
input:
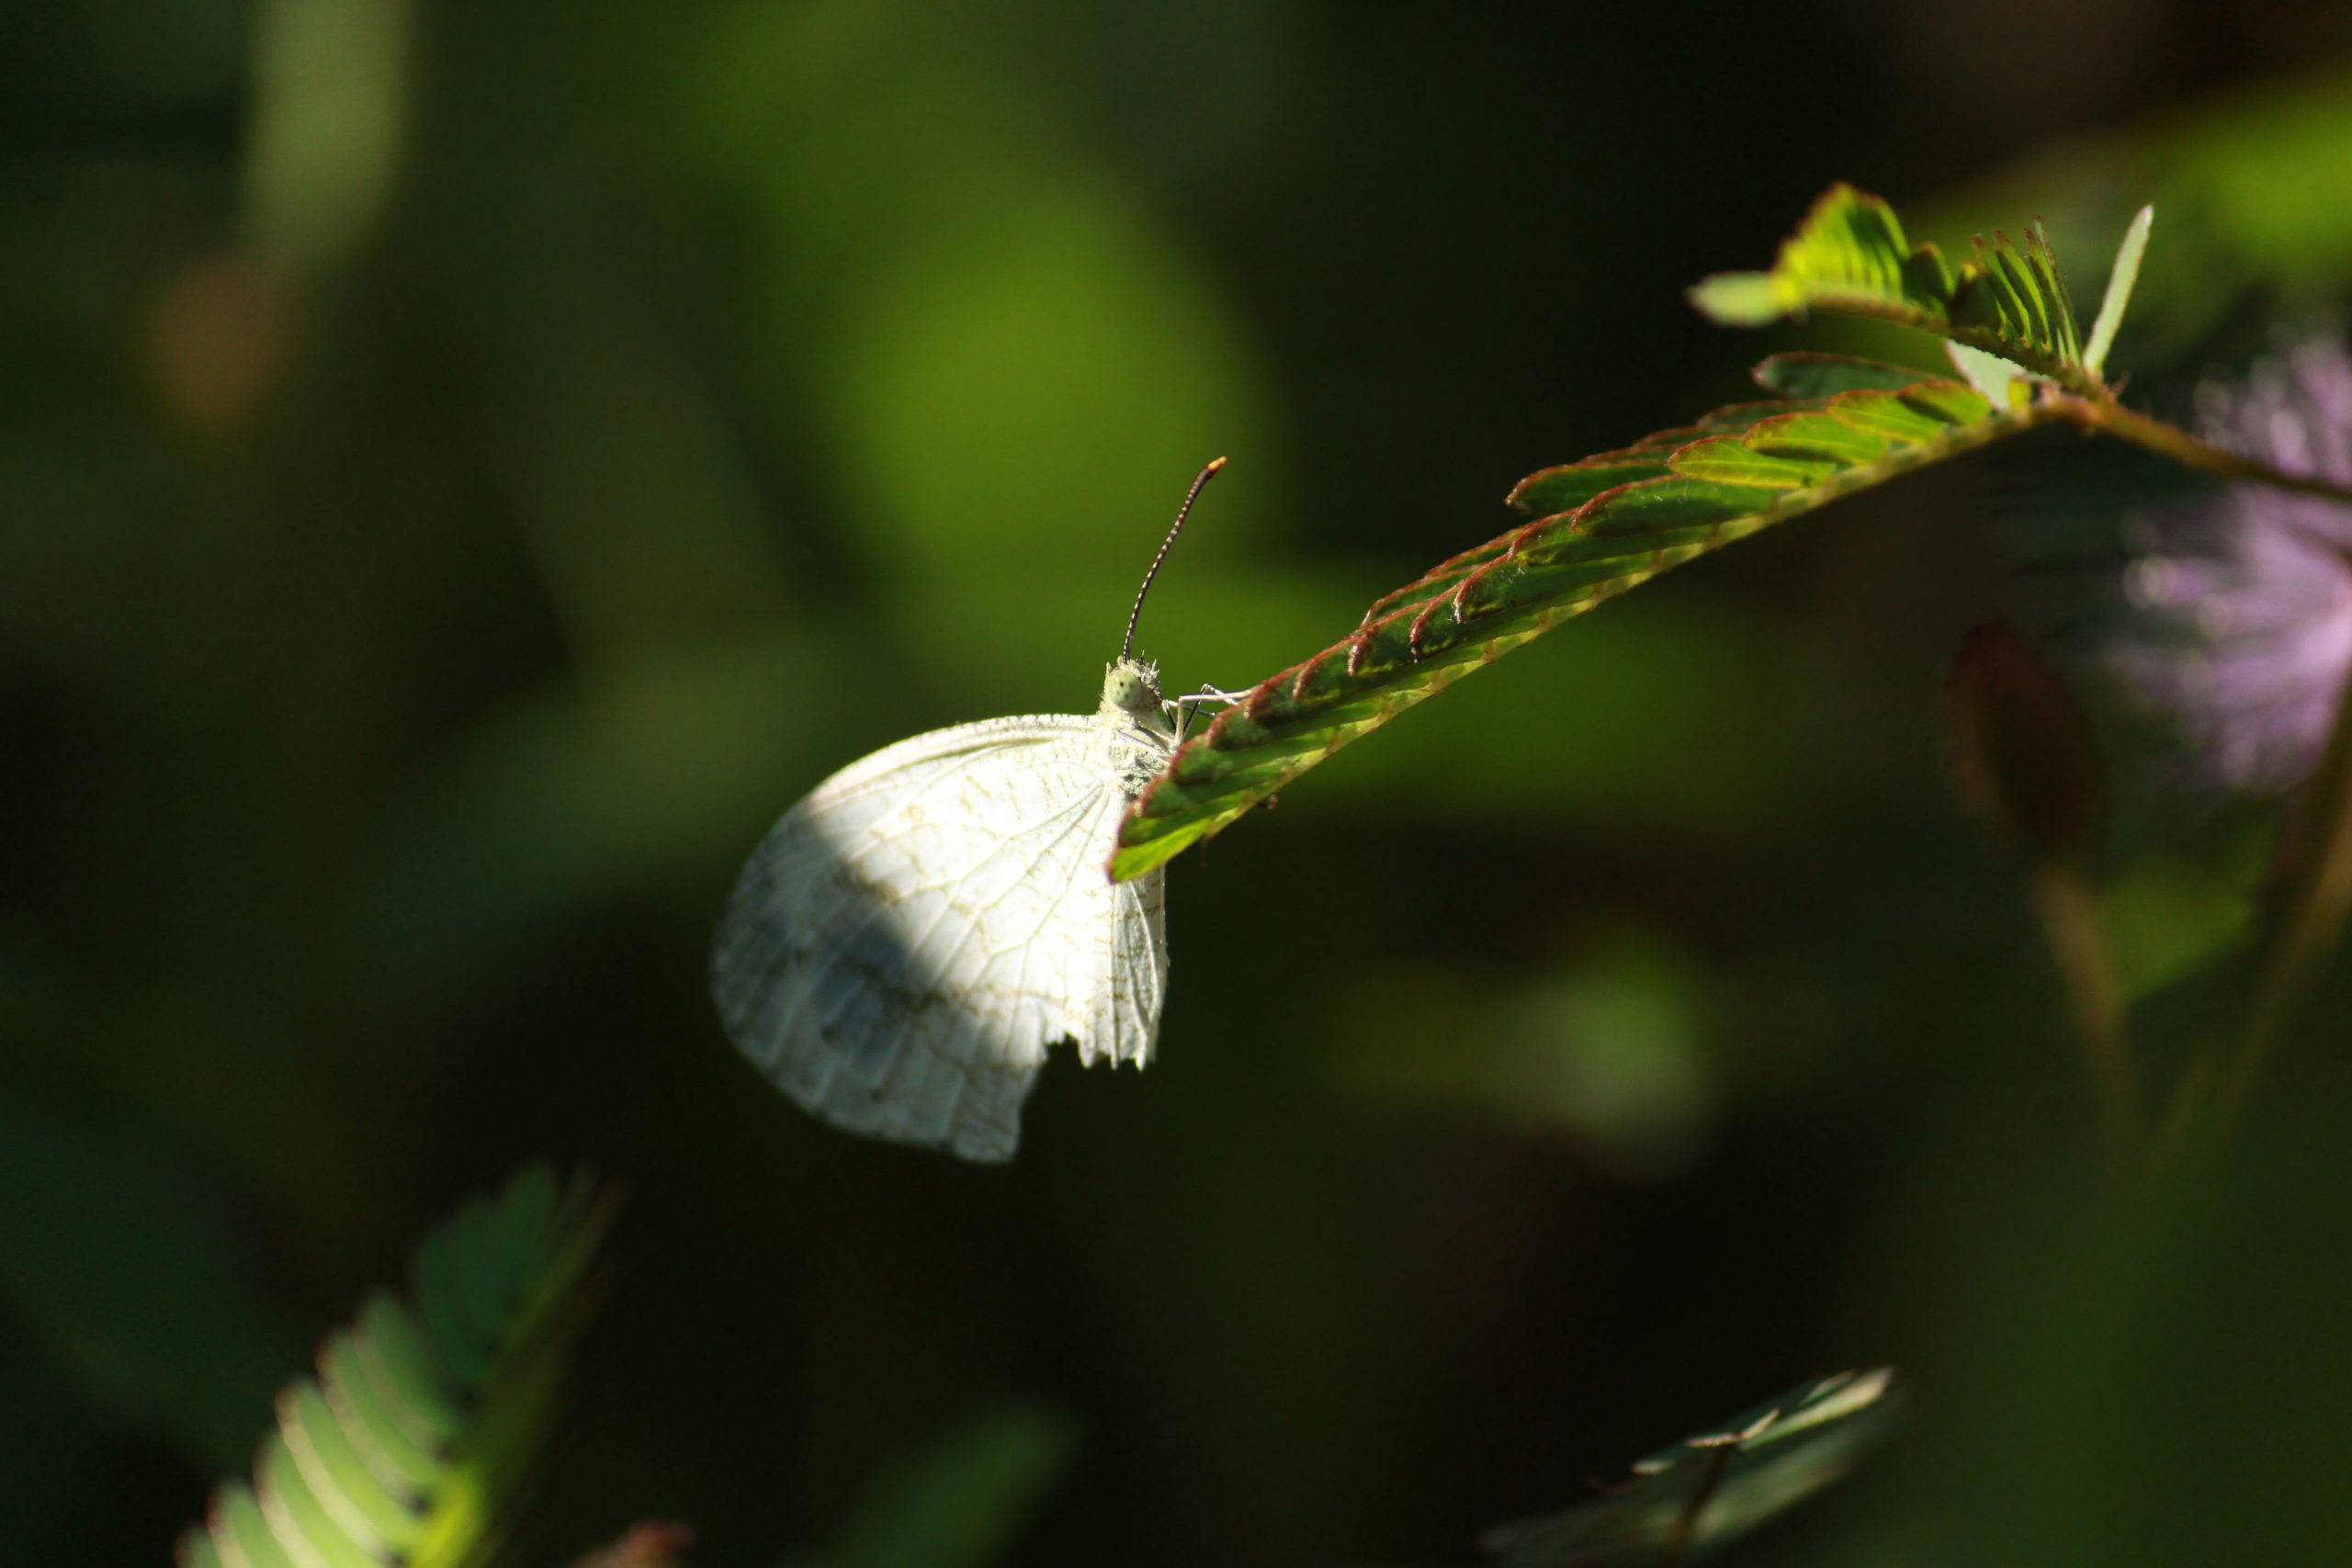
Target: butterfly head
column 1132, row 687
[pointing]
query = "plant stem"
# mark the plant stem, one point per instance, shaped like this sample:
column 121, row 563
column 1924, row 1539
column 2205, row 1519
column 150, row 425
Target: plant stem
column 2077, row 936
column 2111, row 418
column 2314, row 893
column 2313, row 884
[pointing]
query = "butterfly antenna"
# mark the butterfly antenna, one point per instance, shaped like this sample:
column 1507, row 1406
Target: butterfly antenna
column 1182, row 512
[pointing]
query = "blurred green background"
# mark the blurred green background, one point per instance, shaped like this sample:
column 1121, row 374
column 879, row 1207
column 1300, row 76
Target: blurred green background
column 465, row 468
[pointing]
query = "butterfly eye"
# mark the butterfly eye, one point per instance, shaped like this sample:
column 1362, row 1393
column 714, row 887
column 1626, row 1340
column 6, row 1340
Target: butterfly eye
column 1130, row 687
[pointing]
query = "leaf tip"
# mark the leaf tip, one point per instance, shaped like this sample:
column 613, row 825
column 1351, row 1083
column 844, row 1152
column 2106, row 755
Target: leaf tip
column 1740, row 299
column 2120, row 283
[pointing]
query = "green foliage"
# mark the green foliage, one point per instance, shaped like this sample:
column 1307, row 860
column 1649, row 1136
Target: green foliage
column 2256, row 195
column 1707, row 1489
column 2120, row 284
column 409, row 1441
column 92, row 1216
column 431, row 568
column 1850, row 256
column 1603, row 524
column 1600, row 526
column 960, row 1504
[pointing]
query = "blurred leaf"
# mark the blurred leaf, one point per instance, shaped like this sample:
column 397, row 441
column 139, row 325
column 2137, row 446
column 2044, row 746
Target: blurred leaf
column 1850, row 256
column 328, row 93
column 2021, row 756
column 1605, row 525
column 956, row 462
column 1611, row 1046
column 2168, row 918
column 119, row 1257
column 1709, row 1488
column 962, row 1503
column 409, row 1445
column 1011, row 355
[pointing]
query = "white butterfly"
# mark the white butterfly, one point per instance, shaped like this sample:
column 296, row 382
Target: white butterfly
column 909, row 939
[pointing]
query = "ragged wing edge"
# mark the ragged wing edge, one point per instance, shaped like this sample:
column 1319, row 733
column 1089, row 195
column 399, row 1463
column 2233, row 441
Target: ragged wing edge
column 742, row 998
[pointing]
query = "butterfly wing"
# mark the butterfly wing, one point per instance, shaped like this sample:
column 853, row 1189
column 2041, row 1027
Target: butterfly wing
column 911, row 936
column 1135, row 969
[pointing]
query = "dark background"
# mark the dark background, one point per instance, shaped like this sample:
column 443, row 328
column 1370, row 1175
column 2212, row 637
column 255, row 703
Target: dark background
column 464, row 469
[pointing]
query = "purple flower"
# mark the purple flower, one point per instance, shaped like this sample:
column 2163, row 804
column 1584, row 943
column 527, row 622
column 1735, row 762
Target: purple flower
column 2241, row 622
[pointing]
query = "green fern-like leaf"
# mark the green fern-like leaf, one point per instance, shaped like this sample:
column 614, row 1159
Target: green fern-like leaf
column 1850, row 256
column 1718, row 1485
column 414, row 1431
column 1602, row 525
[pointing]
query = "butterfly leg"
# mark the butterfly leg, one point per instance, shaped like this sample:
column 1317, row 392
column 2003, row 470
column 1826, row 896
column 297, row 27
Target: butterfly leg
column 1190, row 703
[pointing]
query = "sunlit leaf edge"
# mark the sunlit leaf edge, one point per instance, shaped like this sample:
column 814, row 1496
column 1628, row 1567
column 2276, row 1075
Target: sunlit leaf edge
column 414, row 1431
column 1850, row 256
column 2120, row 281
column 1716, row 1485
column 1607, row 523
